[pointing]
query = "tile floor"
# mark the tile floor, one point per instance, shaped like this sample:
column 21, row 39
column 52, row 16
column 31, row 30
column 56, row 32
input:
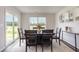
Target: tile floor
column 56, row 48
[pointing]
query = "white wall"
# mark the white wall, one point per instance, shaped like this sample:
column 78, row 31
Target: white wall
column 50, row 20
column 2, row 23
column 2, row 39
column 74, row 24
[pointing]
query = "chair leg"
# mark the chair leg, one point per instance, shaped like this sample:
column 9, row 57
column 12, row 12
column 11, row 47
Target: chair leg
column 26, row 48
column 56, row 40
column 42, row 47
column 36, row 48
column 29, row 46
column 59, row 42
column 51, row 46
column 20, row 43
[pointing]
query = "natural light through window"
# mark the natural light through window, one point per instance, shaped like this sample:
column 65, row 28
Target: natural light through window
column 34, row 21
column 11, row 25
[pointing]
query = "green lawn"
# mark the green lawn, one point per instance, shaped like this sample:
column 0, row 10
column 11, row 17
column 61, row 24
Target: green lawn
column 9, row 32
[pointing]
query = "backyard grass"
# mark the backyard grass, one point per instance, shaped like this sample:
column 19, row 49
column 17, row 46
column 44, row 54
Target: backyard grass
column 10, row 34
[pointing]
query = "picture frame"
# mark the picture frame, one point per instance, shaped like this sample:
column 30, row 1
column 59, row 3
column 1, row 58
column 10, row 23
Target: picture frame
column 61, row 18
column 70, row 16
column 66, row 17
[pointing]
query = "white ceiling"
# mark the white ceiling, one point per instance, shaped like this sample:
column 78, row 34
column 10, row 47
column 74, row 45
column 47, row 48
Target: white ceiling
column 40, row 9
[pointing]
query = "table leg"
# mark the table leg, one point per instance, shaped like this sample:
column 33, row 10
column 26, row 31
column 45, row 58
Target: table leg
column 75, row 43
column 26, row 46
column 62, row 35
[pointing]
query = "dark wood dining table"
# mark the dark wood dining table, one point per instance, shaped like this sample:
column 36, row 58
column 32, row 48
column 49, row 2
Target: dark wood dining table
column 39, row 37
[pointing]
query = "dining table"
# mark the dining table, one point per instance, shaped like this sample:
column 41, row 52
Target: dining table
column 39, row 37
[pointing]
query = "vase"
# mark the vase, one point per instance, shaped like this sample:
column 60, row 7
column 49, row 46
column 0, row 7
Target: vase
column 39, row 31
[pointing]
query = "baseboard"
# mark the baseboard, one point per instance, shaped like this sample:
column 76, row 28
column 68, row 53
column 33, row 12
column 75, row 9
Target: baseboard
column 69, row 45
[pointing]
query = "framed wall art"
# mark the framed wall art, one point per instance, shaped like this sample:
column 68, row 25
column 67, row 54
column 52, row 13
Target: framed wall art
column 66, row 17
column 70, row 15
column 61, row 18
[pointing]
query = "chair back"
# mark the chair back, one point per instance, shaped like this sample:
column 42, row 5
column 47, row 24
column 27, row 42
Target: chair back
column 30, row 31
column 47, row 31
column 58, row 32
column 20, row 32
column 30, row 34
column 46, row 39
column 31, row 37
column 47, row 36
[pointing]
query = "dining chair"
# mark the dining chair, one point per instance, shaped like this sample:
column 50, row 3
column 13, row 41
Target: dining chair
column 57, row 35
column 47, row 38
column 31, row 38
column 21, row 35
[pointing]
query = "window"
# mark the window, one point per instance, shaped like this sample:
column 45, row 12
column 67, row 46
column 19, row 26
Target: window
column 34, row 21
column 9, row 27
column 11, row 24
column 15, row 27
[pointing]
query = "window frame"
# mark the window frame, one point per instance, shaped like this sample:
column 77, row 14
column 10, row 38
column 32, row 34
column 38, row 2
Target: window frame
column 38, row 22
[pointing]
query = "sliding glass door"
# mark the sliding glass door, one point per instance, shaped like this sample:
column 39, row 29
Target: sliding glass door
column 15, row 27
column 11, row 25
